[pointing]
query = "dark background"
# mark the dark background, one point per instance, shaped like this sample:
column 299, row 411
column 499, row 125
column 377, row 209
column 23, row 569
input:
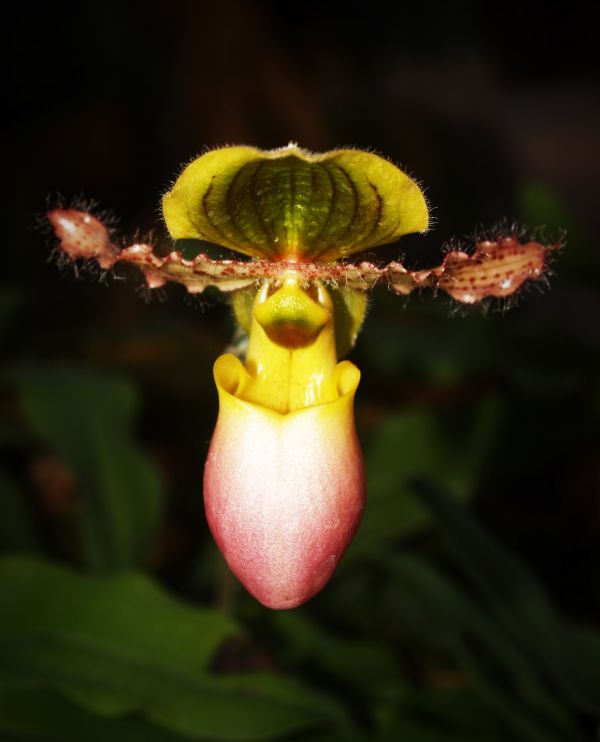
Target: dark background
column 494, row 108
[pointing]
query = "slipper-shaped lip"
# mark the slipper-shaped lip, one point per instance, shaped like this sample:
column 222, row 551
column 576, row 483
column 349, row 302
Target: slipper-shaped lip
column 283, row 493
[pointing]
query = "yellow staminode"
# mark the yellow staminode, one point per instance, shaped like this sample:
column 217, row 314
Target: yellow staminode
column 290, row 204
column 291, row 361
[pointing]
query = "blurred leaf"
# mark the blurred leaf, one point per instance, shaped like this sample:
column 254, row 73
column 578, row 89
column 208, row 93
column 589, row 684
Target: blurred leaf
column 500, row 671
column 118, row 645
column 424, row 344
column 520, row 605
column 412, row 730
column 16, row 529
column 364, row 664
column 449, row 640
column 39, row 715
column 410, row 445
column 541, row 205
column 87, row 418
column 439, row 612
column 430, row 715
column 127, row 615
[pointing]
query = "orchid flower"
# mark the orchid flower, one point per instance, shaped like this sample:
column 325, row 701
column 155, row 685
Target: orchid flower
column 284, row 484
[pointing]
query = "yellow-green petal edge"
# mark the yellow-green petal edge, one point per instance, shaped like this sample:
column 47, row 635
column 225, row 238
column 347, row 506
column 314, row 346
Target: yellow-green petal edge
column 290, row 204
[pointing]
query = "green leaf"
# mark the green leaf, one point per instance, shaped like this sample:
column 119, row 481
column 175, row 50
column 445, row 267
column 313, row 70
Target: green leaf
column 414, row 444
column 16, row 528
column 87, row 418
column 36, row 715
column 501, row 670
column 519, row 604
column 120, row 645
column 540, row 204
column 127, row 615
column 404, row 445
column 443, row 614
column 368, row 665
column 429, row 715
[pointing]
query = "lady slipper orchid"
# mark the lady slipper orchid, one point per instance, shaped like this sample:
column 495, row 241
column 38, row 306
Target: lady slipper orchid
column 284, row 484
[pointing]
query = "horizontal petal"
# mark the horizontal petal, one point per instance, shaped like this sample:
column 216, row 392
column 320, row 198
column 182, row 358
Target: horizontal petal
column 494, row 268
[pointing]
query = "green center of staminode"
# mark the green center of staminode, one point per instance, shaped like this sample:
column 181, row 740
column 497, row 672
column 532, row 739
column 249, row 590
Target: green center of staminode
column 290, row 317
column 289, row 204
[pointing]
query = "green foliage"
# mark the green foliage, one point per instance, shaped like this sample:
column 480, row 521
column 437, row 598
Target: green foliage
column 570, row 660
column 34, row 714
column 302, row 640
column 508, row 666
column 432, row 629
column 118, row 645
column 415, row 444
column 449, row 637
column 87, row 419
column 539, row 204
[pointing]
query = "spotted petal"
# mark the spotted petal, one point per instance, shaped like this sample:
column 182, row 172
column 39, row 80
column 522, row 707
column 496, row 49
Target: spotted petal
column 492, row 269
